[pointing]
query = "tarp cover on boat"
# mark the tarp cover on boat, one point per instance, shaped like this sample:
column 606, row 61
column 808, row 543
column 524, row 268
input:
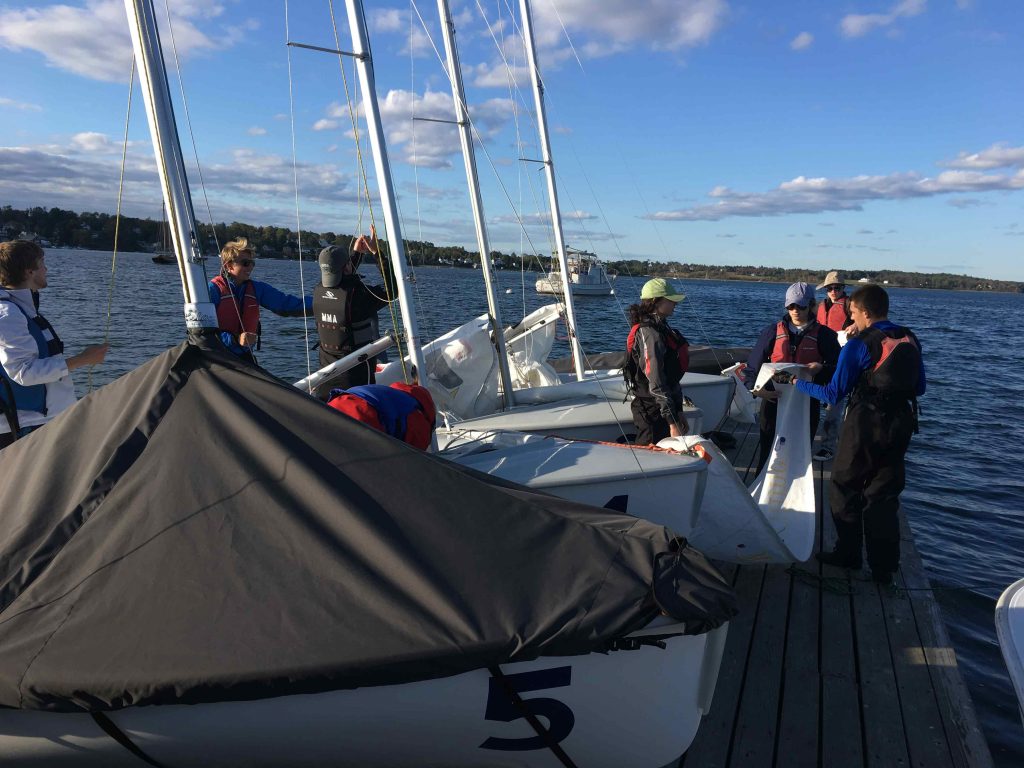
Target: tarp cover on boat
column 200, row 531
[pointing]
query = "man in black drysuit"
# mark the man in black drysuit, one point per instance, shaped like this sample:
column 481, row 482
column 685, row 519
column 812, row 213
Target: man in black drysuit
column 882, row 371
column 346, row 309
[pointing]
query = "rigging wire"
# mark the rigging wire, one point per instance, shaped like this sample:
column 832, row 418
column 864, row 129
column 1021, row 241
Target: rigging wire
column 117, row 220
column 361, row 167
column 295, row 178
column 195, row 150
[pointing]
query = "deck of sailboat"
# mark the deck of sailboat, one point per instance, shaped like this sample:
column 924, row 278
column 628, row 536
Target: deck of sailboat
column 825, row 668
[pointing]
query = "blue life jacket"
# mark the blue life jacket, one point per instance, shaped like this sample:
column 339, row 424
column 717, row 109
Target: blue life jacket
column 393, row 406
column 32, row 398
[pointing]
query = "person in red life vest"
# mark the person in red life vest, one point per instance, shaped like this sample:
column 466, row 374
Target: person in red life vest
column 35, row 374
column 405, row 411
column 881, row 370
column 345, row 309
column 657, row 356
column 795, row 338
column 238, row 298
column 834, row 312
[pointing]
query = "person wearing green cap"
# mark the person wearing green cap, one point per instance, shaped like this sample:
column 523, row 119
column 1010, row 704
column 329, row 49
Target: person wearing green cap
column 657, row 356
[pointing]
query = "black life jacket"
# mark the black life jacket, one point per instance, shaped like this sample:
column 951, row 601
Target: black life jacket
column 891, row 382
column 674, row 364
column 340, row 332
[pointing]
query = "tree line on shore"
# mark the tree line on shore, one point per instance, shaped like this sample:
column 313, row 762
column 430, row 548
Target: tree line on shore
column 68, row 229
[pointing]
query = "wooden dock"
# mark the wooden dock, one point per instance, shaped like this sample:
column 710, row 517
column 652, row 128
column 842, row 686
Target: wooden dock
column 823, row 667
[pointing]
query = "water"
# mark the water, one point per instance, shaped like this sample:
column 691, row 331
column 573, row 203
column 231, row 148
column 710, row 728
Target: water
column 965, row 468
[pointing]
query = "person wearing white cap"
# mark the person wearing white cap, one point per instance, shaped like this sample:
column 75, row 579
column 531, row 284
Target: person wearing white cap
column 345, row 310
column 834, row 312
column 795, row 338
column 657, row 356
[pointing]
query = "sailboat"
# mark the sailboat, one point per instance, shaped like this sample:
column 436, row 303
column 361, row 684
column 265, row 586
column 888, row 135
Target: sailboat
column 1010, row 630
column 164, row 255
column 310, row 594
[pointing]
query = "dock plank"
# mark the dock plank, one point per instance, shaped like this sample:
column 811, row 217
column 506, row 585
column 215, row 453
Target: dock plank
column 824, row 668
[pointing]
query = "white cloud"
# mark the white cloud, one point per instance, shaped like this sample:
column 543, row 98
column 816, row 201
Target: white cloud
column 325, row 124
column 431, row 144
column 91, row 141
column 395, row 21
column 24, row 106
column 996, row 156
column 621, row 24
column 93, row 41
column 858, row 25
column 76, row 176
column 815, row 195
column 802, row 41
column 257, row 131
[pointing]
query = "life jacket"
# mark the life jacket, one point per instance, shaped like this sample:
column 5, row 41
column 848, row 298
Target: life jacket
column 834, row 314
column 14, row 396
column 339, row 331
column 675, row 363
column 405, row 411
column 895, row 370
column 232, row 318
column 803, row 351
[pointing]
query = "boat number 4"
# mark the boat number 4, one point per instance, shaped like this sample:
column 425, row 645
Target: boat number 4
column 560, row 719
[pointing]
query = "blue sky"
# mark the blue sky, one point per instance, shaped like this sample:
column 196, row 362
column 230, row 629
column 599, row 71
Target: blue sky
column 858, row 134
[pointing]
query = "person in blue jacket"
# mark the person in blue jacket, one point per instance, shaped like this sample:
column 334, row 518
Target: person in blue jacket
column 882, row 371
column 238, row 298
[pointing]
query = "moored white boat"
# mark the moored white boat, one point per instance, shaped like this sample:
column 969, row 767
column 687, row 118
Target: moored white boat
column 587, row 277
column 1010, row 631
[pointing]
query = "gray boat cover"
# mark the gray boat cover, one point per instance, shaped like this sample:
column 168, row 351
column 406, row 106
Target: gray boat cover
column 200, row 531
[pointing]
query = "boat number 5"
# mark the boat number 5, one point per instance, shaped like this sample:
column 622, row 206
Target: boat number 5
column 500, row 707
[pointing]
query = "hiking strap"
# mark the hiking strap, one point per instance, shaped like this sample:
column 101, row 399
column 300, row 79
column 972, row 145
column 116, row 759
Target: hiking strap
column 531, row 718
column 121, row 738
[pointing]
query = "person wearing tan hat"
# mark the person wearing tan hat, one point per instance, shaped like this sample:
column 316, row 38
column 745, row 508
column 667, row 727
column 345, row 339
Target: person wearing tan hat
column 834, row 310
column 657, row 356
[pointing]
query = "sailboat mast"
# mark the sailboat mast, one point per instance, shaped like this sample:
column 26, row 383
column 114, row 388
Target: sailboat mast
column 549, row 172
column 469, row 156
column 364, row 66
column 200, row 315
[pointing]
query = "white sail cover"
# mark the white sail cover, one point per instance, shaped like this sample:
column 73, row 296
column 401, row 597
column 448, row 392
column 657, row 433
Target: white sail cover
column 774, row 521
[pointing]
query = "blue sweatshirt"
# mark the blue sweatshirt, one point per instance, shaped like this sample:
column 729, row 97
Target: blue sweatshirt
column 268, row 296
column 854, row 359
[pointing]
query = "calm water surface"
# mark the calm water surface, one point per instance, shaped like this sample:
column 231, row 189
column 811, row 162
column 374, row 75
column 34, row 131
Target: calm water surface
column 965, row 468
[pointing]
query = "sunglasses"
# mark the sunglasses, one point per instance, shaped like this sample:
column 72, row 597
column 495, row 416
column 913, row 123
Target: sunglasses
column 244, row 262
column 796, row 306
column 831, row 288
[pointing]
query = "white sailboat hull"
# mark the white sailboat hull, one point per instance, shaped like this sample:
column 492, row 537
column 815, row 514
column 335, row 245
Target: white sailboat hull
column 713, row 395
column 1010, row 630
column 629, row 708
column 544, row 285
column 661, row 486
column 581, row 418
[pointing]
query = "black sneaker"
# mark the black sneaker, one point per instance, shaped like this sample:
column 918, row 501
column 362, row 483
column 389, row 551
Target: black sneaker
column 839, row 559
column 823, row 454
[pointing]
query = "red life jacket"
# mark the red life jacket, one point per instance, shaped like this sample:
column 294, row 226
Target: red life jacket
column 806, row 351
column 231, row 317
column 896, row 369
column 677, row 357
column 409, row 416
column 834, row 314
